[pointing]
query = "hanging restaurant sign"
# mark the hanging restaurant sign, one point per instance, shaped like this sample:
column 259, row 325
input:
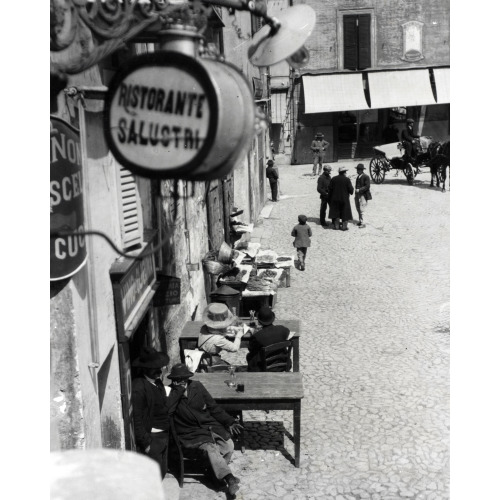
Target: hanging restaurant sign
column 67, row 253
column 170, row 115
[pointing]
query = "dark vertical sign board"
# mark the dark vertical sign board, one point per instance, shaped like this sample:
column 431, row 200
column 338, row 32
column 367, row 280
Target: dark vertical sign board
column 68, row 254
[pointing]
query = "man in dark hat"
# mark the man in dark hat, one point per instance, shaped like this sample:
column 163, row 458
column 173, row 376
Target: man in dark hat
column 339, row 190
column 151, row 406
column 408, row 137
column 362, row 193
column 318, row 148
column 267, row 335
column 201, row 424
column 323, row 182
column 273, row 176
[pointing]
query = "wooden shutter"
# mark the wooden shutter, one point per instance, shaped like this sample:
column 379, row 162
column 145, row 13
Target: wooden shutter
column 350, row 42
column 130, row 221
column 364, row 39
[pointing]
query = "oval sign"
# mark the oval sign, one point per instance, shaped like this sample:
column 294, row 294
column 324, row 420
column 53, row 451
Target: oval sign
column 67, row 253
column 160, row 115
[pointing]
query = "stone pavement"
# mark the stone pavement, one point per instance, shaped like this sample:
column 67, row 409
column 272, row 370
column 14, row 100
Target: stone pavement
column 374, row 309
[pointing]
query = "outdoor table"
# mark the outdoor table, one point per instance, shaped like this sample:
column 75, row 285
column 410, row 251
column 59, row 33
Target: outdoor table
column 263, row 391
column 189, row 337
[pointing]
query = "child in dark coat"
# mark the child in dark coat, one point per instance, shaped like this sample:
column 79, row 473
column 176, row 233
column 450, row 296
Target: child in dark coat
column 302, row 233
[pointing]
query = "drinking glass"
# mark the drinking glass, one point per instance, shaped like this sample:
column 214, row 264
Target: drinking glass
column 232, row 376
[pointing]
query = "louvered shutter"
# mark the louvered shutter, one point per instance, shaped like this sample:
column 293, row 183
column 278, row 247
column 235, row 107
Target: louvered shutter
column 350, row 42
column 131, row 224
column 364, row 39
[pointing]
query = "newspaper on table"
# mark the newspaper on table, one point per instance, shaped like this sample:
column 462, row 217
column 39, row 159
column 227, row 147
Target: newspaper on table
column 248, row 247
column 265, row 273
column 266, row 257
column 238, row 257
column 226, row 280
column 284, row 261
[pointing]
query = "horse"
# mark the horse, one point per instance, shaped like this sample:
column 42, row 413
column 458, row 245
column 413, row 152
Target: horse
column 439, row 153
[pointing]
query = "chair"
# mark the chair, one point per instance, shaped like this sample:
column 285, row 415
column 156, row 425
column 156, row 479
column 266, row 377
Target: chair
column 276, row 357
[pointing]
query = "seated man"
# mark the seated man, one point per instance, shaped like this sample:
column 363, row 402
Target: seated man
column 152, row 408
column 408, row 138
column 267, row 335
column 201, row 424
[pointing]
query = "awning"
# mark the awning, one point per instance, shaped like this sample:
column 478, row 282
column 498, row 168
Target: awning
column 442, row 79
column 390, row 89
column 327, row 93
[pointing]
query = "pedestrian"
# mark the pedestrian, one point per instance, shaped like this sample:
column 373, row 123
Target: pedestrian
column 408, row 137
column 362, row 194
column 218, row 320
column 267, row 335
column 201, row 424
column 302, row 233
column 152, row 408
column 318, row 148
column 339, row 190
column 323, row 182
column 273, row 176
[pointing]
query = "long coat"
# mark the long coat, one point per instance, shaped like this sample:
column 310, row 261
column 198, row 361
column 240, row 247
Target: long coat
column 322, row 188
column 269, row 334
column 196, row 414
column 339, row 189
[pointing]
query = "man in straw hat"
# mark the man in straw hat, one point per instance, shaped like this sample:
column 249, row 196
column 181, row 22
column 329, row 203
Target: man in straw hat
column 218, row 319
column 201, row 424
column 362, row 194
column 339, row 190
column 151, row 406
column 318, row 148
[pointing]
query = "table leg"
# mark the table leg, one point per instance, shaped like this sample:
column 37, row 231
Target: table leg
column 295, row 354
column 296, row 431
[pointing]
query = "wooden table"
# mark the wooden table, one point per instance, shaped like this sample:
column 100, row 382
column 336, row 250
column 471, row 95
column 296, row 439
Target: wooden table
column 263, row 391
column 189, row 338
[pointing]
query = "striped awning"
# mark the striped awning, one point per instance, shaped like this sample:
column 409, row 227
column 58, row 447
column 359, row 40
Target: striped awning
column 442, row 79
column 327, row 93
column 390, row 89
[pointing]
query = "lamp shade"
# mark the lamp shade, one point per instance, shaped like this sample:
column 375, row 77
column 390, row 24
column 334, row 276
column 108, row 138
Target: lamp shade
column 296, row 25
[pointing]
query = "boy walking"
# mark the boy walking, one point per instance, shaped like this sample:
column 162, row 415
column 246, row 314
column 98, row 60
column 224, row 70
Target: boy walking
column 302, row 233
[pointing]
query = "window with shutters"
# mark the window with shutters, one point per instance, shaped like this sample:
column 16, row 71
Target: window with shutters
column 130, row 210
column 356, row 37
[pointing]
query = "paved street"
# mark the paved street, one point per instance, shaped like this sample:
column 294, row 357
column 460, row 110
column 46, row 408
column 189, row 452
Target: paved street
column 374, row 308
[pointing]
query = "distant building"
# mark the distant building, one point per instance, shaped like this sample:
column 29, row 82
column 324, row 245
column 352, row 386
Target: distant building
column 373, row 63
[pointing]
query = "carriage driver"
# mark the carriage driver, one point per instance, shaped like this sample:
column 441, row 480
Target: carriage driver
column 408, row 137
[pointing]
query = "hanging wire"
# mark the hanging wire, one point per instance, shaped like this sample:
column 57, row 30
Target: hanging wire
column 61, row 233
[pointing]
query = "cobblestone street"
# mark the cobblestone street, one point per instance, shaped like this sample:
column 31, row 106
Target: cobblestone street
column 374, row 310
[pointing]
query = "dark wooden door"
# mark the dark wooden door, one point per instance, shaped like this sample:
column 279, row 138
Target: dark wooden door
column 215, row 213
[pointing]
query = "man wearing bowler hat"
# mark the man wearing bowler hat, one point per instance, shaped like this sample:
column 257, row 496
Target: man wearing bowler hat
column 362, row 193
column 267, row 335
column 151, row 406
column 318, row 148
column 408, row 137
column 201, row 424
column 339, row 190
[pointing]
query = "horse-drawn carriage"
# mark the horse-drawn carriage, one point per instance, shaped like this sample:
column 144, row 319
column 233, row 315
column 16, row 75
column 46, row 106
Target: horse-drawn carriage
column 426, row 152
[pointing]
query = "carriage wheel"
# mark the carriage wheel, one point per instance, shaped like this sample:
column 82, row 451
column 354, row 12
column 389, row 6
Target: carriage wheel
column 377, row 171
column 410, row 177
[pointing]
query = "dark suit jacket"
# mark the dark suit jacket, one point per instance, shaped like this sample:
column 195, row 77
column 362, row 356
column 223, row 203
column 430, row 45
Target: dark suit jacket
column 272, row 174
column 143, row 406
column 323, row 181
column 363, row 184
column 197, row 414
column 408, row 135
column 270, row 334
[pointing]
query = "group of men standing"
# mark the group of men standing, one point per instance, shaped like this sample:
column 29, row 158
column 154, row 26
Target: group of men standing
column 335, row 192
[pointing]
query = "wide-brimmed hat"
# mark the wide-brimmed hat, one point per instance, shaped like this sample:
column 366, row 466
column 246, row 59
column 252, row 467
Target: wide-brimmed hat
column 327, row 167
column 319, row 134
column 265, row 316
column 217, row 315
column 180, row 370
column 343, row 169
column 150, row 358
column 360, row 165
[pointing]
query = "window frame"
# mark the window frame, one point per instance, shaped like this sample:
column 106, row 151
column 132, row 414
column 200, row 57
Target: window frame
column 340, row 35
